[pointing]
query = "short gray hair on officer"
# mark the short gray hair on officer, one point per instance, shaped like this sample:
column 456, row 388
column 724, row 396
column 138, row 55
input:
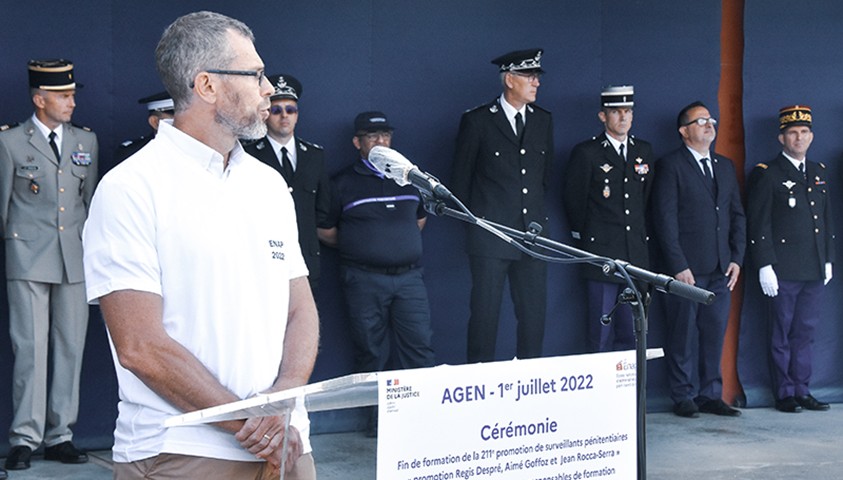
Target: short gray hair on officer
column 191, row 44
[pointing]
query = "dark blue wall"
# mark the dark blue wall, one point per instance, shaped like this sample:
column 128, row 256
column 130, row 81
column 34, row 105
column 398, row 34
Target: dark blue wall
column 797, row 61
column 424, row 63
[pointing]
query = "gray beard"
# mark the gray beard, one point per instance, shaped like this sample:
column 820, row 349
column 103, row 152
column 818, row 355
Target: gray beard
column 255, row 129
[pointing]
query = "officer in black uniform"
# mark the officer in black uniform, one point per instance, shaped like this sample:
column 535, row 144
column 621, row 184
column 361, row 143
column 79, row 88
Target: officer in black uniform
column 160, row 107
column 501, row 168
column 607, row 185
column 301, row 163
column 792, row 243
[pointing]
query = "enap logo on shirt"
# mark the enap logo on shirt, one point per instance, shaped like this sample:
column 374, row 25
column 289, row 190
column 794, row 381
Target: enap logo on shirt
column 276, row 248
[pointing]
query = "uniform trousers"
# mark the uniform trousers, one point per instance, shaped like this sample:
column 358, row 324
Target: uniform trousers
column 168, row 466
column 695, row 340
column 795, row 314
column 46, row 317
column 378, row 303
column 528, row 288
column 619, row 334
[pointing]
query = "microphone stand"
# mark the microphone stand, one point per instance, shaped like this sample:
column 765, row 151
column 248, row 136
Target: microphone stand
column 619, row 268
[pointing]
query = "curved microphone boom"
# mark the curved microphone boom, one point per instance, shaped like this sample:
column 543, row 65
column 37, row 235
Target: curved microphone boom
column 396, row 166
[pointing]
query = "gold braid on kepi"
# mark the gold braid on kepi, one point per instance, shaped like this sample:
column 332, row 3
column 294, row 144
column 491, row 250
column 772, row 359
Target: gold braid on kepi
column 794, row 116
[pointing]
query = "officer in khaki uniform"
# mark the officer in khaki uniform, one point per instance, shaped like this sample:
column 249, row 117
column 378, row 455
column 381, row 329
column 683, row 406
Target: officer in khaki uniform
column 48, row 170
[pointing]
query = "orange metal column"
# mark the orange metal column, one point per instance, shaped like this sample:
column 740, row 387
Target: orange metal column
column 730, row 142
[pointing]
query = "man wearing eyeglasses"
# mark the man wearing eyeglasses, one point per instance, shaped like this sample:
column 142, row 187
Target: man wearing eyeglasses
column 301, row 163
column 501, row 168
column 607, row 185
column 792, row 244
column 376, row 226
column 199, row 275
column 700, row 225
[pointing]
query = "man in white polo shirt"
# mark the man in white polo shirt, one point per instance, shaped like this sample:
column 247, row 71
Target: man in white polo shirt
column 201, row 282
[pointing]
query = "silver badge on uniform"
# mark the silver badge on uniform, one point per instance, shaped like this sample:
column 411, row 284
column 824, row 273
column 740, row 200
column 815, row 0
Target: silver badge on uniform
column 791, row 202
column 606, row 167
column 607, row 192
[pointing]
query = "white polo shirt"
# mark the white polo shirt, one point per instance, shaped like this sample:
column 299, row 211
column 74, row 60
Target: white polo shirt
column 220, row 246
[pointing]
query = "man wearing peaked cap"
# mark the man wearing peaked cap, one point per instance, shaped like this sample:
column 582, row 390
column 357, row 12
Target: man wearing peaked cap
column 301, row 163
column 791, row 242
column 48, row 170
column 501, row 168
column 160, row 107
column 607, row 185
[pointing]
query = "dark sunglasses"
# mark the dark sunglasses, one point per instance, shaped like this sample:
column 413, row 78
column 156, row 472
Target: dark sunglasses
column 277, row 109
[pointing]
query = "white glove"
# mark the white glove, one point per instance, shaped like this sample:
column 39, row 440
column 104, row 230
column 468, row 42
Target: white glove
column 768, row 280
column 827, row 273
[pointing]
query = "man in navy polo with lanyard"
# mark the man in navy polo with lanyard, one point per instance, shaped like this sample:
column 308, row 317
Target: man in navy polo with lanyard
column 376, row 226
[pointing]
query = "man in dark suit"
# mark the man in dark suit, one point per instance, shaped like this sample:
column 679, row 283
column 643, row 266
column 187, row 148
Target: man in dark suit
column 501, row 169
column 48, row 171
column 792, row 244
column 301, row 164
column 700, row 226
column 160, row 107
column 607, row 184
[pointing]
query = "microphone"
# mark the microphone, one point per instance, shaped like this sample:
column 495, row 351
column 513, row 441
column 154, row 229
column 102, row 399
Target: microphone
column 395, row 166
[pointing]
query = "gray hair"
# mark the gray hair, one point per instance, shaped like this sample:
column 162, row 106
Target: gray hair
column 191, row 44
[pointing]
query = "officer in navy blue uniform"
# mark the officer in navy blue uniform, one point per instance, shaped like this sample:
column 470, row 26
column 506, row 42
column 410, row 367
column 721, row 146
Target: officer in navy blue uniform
column 376, row 226
column 301, row 163
column 160, row 107
column 792, row 244
column 699, row 221
column 501, row 169
column 607, row 184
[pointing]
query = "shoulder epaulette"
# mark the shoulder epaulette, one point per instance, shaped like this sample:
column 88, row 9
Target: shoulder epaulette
column 9, row 126
column 82, row 127
column 822, row 165
column 311, row 144
column 492, row 107
column 762, row 165
column 539, row 108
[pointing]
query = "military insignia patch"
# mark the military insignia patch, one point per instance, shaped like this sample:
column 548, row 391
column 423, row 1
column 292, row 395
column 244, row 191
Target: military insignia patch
column 82, row 159
column 789, row 184
column 606, row 167
column 642, row 168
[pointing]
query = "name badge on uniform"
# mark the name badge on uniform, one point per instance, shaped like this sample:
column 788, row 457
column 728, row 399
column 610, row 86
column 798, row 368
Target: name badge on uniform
column 82, row 159
column 791, row 202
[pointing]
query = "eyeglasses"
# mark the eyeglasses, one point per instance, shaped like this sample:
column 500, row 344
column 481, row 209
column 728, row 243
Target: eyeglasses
column 532, row 77
column 277, row 109
column 374, row 136
column 702, row 121
column 260, row 74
